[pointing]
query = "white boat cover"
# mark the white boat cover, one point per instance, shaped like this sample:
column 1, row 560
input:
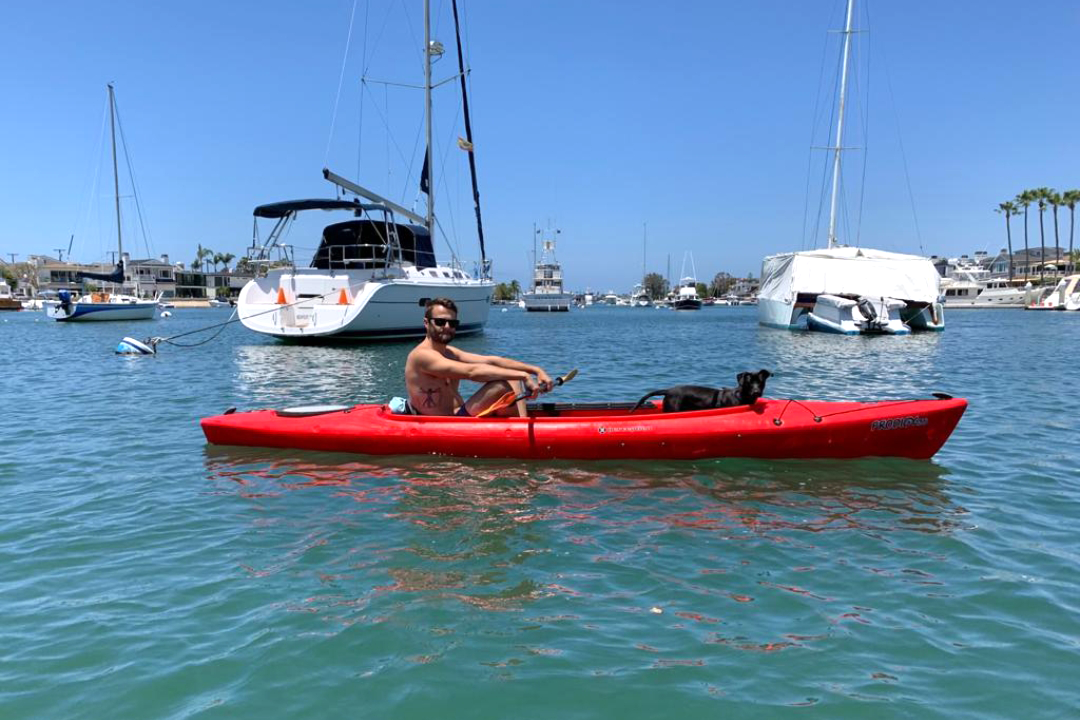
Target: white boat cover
column 849, row 271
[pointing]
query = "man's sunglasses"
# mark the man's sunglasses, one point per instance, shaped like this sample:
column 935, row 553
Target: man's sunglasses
column 442, row 322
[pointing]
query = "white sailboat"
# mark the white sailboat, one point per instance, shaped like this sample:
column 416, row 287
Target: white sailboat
column 849, row 290
column 375, row 269
column 639, row 297
column 104, row 305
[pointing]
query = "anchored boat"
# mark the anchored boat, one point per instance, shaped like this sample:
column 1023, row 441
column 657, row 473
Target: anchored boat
column 375, row 269
column 849, row 290
column 547, row 294
column 770, row 428
column 103, row 305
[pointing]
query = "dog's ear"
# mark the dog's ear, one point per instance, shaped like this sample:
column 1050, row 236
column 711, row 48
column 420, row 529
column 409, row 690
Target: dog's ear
column 742, row 377
column 764, row 374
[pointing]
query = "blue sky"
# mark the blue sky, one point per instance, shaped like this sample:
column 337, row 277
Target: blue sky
column 694, row 117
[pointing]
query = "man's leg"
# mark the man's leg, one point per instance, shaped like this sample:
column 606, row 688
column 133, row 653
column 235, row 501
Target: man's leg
column 492, row 391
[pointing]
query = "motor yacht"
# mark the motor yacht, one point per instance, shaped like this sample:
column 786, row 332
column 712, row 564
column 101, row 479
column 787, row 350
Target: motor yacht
column 547, row 293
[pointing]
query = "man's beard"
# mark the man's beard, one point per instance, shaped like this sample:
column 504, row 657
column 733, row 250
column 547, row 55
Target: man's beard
column 435, row 334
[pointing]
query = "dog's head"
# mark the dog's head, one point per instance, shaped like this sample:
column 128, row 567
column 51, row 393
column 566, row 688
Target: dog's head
column 752, row 385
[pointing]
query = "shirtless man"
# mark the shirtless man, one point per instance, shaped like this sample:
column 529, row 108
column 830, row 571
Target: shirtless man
column 434, row 369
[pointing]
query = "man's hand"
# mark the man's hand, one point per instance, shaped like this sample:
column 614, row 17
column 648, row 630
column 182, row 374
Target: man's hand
column 531, row 387
column 546, row 384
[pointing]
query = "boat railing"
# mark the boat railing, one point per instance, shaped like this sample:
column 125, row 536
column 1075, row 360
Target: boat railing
column 362, row 256
column 262, row 259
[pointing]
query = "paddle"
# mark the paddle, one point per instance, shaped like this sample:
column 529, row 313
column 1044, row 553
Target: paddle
column 511, row 397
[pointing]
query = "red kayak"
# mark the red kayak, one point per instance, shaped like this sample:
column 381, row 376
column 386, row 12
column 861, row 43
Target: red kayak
column 768, row 429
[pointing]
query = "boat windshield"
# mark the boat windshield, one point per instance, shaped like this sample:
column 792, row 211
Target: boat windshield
column 364, row 244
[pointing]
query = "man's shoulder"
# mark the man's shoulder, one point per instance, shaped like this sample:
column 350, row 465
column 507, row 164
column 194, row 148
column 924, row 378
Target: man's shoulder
column 424, row 352
column 421, row 348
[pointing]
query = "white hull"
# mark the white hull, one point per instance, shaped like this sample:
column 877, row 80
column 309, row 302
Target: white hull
column 79, row 311
column 977, row 305
column 780, row 314
column 313, row 304
column 982, row 299
column 547, row 302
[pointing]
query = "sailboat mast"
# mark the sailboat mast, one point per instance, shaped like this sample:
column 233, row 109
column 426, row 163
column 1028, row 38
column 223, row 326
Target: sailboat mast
column 840, row 126
column 644, row 242
column 468, row 137
column 116, row 173
column 427, row 114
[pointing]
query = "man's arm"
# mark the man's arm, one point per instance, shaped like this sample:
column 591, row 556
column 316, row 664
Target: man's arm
column 502, row 362
column 435, row 363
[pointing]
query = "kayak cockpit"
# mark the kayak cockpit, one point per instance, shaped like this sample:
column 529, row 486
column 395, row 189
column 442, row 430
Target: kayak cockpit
column 581, row 411
column 572, row 409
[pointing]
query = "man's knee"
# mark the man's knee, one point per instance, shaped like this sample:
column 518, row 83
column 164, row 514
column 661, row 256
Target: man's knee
column 501, row 387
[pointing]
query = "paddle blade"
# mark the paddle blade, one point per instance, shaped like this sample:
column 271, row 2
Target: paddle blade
column 567, row 377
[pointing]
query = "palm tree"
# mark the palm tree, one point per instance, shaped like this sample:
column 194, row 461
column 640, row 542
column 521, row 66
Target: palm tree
column 1008, row 208
column 1054, row 198
column 1041, row 195
column 204, row 254
column 1069, row 199
column 227, row 258
column 515, row 288
column 1023, row 200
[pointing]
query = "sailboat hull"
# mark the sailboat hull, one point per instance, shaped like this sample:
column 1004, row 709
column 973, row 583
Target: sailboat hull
column 778, row 313
column 101, row 312
column 317, row 306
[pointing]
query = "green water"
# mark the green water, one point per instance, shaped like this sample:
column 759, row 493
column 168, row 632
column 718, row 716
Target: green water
column 144, row 574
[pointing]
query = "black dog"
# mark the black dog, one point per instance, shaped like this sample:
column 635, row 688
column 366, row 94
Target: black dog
column 683, row 398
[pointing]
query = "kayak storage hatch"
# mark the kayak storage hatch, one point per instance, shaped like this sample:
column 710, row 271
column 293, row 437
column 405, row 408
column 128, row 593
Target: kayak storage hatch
column 770, row 428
